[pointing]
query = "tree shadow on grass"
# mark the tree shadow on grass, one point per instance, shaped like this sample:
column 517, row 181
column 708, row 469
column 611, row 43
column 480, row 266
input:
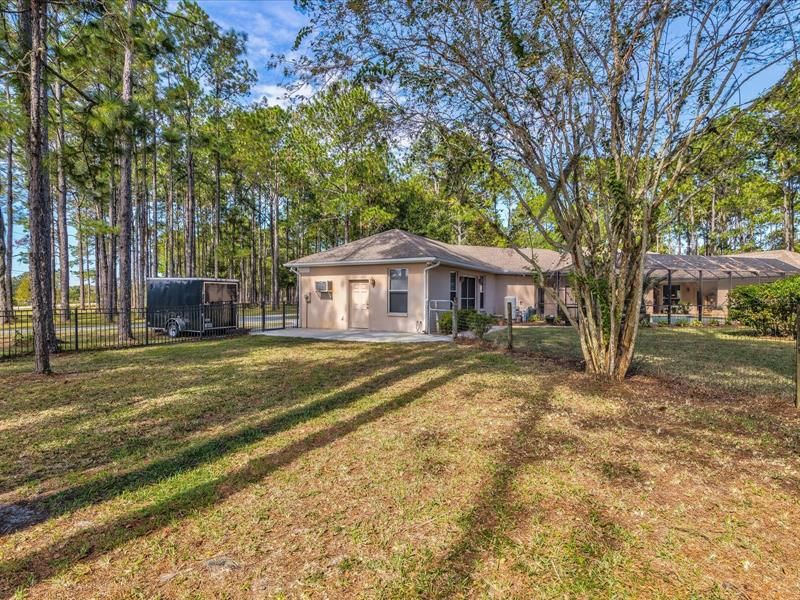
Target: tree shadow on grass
column 93, row 542
column 110, row 486
column 173, row 422
column 495, row 511
column 718, row 437
column 713, row 357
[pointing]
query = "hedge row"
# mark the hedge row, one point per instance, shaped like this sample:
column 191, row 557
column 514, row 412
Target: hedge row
column 770, row 308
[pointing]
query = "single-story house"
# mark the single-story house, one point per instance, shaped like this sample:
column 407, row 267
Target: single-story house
column 398, row 281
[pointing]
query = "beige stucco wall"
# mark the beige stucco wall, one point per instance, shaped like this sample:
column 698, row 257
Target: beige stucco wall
column 521, row 286
column 496, row 288
column 331, row 311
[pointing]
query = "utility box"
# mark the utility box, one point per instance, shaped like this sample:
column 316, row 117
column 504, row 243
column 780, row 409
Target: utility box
column 513, row 301
column 179, row 305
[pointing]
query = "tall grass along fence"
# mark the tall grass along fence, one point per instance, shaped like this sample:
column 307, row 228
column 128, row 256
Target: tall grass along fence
column 97, row 329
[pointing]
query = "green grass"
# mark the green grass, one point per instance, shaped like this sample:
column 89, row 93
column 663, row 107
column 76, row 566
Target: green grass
column 723, row 357
column 323, row 469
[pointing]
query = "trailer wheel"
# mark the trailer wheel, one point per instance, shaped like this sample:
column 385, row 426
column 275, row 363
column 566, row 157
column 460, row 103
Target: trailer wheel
column 173, row 329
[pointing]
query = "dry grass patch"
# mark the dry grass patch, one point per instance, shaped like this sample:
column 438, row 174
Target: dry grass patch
column 274, row 468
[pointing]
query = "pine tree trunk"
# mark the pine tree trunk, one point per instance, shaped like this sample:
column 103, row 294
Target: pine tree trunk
column 788, row 217
column 141, row 219
column 81, row 270
column 124, row 216
column 111, row 251
column 154, row 267
column 170, row 217
column 61, row 207
column 189, row 209
column 262, row 297
column 5, row 266
column 35, row 30
column 101, row 264
column 217, row 209
column 9, row 233
column 274, row 249
column 712, row 245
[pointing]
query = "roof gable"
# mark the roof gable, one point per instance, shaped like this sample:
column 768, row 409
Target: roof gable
column 396, row 246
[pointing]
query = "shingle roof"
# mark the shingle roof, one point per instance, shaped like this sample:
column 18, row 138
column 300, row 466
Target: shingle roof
column 785, row 256
column 771, row 263
column 398, row 246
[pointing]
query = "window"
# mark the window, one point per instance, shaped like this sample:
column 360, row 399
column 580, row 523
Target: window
column 480, row 292
column 453, row 288
column 398, row 291
column 676, row 294
column 467, row 292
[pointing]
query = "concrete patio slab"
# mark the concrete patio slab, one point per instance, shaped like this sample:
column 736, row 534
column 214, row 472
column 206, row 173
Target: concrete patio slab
column 356, row 335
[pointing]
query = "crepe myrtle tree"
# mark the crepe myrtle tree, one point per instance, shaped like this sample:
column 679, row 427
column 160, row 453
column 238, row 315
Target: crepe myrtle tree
column 599, row 102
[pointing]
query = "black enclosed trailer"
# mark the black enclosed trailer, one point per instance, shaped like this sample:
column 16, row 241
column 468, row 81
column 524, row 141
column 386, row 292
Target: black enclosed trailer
column 191, row 304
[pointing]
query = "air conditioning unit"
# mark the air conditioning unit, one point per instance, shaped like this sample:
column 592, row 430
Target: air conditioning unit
column 324, row 287
column 513, row 301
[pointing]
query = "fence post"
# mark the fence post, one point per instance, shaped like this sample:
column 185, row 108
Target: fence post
column 76, row 329
column 146, row 330
column 797, row 358
column 284, row 315
column 454, row 319
column 510, row 341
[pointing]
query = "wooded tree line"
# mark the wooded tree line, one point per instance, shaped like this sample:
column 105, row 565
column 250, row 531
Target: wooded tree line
column 132, row 148
column 743, row 195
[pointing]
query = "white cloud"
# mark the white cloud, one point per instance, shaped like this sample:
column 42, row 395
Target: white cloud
column 278, row 95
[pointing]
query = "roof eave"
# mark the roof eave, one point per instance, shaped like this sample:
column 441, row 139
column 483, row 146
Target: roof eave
column 360, row 263
column 417, row 260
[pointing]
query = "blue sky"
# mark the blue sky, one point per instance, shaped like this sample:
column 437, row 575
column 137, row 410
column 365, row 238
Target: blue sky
column 271, row 27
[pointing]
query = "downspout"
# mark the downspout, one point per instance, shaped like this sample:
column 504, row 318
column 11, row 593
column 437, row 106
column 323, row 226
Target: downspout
column 300, row 300
column 426, row 287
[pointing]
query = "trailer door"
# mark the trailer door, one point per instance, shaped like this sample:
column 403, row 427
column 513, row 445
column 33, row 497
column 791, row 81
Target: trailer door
column 220, row 304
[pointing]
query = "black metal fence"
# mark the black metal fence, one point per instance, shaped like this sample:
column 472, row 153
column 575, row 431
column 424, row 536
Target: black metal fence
column 98, row 329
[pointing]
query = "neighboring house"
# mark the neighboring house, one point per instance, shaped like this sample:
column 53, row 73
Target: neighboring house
column 398, row 281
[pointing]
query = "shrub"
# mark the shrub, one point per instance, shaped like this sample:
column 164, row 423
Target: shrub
column 767, row 307
column 479, row 324
column 468, row 320
column 462, row 316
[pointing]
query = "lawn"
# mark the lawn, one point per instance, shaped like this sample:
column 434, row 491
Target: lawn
column 260, row 467
column 731, row 358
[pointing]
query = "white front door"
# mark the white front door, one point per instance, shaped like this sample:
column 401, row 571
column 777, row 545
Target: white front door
column 359, row 304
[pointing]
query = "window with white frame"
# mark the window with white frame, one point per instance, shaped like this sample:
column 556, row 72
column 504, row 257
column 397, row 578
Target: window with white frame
column 398, row 291
column 467, row 292
column 480, row 292
column 453, row 286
